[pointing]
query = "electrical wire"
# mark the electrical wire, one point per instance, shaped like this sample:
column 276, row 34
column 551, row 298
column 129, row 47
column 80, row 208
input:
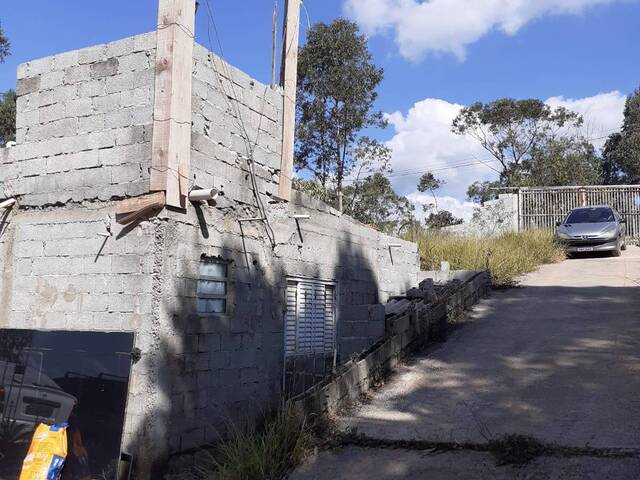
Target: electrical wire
column 240, row 121
column 419, row 171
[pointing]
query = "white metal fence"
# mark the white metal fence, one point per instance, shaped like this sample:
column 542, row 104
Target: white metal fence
column 542, row 207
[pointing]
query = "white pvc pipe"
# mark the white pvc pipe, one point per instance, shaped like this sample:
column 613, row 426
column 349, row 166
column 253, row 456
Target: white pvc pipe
column 7, row 203
column 205, row 194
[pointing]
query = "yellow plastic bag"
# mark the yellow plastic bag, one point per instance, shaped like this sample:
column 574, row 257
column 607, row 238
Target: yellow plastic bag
column 47, row 453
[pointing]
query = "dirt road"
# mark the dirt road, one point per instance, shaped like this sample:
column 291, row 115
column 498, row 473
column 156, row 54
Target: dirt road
column 557, row 360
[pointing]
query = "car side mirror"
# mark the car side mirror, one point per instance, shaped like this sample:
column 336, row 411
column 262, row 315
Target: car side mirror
column 623, row 220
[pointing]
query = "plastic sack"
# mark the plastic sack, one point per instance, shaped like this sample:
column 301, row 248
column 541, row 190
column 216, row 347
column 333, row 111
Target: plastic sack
column 47, row 453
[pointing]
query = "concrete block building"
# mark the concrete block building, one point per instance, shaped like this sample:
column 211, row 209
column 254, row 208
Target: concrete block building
column 221, row 295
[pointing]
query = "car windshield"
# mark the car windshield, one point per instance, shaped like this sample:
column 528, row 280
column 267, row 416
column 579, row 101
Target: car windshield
column 591, row 215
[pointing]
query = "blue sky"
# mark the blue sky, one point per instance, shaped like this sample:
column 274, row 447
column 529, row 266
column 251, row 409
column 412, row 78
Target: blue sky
column 583, row 54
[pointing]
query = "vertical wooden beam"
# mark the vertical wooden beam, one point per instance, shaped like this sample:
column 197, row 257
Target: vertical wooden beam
column 289, row 78
column 171, row 144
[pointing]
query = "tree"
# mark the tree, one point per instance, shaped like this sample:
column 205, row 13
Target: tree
column 374, row 202
column 429, row 183
column 8, row 102
column 441, row 219
column 4, row 46
column 563, row 161
column 621, row 154
column 611, row 168
column 7, row 117
column 481, row 192
column 370, row 200
column 510, row 130
column 336, row 91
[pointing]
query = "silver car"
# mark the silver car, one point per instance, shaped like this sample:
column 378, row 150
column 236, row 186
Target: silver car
column 593, row 229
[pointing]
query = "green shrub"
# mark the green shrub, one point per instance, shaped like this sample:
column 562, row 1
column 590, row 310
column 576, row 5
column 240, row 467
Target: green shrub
column 506, row 257
column 267, row 453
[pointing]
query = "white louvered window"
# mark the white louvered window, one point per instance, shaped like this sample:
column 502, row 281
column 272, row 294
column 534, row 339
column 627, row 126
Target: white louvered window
column 310, row 317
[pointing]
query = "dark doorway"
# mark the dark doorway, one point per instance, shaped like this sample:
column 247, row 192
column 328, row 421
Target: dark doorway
column 54, row 377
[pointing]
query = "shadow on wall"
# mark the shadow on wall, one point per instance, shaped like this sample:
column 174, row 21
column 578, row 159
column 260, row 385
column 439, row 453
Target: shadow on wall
column 356, row 325
column 221, row 370
column 213, row 372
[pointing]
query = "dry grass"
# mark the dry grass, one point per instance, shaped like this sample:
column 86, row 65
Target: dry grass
column 264, row 454
column 506, row 257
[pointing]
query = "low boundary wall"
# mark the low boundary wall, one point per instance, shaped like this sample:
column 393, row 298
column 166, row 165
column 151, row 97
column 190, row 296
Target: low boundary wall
column 407, row 332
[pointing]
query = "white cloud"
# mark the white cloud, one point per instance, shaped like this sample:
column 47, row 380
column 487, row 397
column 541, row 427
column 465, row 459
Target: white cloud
column 603, row 113
column 449, row 26
column 460, row 209
column 423, row 141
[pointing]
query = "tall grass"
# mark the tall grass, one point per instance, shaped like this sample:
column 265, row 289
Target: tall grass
column 506, row 257
column 267, row 453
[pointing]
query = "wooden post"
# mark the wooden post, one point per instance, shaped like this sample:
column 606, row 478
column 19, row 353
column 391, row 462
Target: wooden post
column 171, row 144
column 288, row 80
column 274, row 42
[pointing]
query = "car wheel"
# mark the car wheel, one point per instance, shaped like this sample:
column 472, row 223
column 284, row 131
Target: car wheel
column 624, row 246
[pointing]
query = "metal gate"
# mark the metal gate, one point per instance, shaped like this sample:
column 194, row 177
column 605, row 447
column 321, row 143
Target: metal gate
column 542, row 207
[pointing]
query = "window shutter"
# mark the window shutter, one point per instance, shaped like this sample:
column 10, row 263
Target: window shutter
column 290, row 318
column 310, row 318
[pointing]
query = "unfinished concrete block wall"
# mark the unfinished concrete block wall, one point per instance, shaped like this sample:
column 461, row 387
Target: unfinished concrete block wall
column 84, row 123
column 84, row 142
column 229, row 367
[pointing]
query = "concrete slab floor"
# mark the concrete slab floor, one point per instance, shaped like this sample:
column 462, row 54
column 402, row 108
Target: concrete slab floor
column 354, row 463
column 557, row 359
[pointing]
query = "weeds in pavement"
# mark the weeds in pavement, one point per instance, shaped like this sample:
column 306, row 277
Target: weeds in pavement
column 516, row 449
column 267, row 453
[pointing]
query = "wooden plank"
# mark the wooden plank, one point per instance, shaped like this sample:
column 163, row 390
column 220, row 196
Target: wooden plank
column 132, row 208
column 171, row 143
column 289, row 78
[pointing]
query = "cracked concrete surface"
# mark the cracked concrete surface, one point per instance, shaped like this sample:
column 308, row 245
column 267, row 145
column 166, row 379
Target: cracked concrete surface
column 557, row 359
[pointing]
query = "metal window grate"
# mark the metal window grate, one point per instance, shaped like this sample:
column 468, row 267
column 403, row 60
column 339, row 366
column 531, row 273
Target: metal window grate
column 309, row 317
column 212, row 286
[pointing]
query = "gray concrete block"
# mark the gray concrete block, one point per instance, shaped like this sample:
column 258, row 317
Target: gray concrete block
column 39, row 66
column 133, row 62
column 142, row 115
column 129, row 135
column 125, row 173
column 22, row 71
column 120, row 47
column 121, row 82
column 77, row 74
column 146, row 41
column 92, row 54
column 79, row 108
column 92, row 88
column 137, row 97
column 52, row 79
column 60, row 94
column 118, row 118
column 105, row 68
column 100, row 139
column 91, row 123
column 107, row 103
column 27, row 85
column 52, row 112
column 65, row 60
